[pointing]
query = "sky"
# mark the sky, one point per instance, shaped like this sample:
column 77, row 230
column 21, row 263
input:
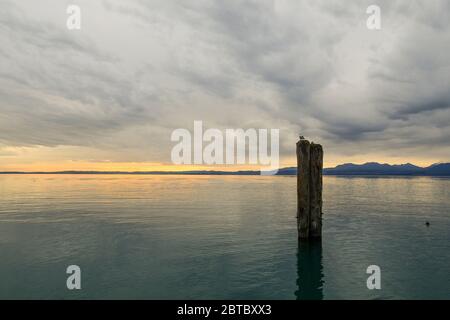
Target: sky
column 108, row 96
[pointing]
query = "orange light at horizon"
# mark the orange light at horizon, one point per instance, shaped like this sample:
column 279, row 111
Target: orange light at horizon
column 119, row 166
column 150, row 166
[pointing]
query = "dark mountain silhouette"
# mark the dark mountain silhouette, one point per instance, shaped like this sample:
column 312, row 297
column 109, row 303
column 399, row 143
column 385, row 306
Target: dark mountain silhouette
column 375, row 168
column 439, row 169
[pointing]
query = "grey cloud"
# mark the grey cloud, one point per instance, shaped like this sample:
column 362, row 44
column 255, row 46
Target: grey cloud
column 308, row 66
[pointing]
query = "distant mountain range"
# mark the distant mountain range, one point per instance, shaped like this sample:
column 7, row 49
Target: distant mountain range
column 375, row 168
column 370, row 168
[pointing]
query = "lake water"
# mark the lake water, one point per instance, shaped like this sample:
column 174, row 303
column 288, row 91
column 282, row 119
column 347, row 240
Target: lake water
column 220, row 237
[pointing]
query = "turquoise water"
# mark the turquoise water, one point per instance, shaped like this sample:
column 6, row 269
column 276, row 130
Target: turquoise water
column 218, row 237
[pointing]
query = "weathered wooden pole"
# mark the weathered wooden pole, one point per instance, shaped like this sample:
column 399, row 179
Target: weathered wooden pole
column 303, row 203
column 315, row 223
column 309, row 189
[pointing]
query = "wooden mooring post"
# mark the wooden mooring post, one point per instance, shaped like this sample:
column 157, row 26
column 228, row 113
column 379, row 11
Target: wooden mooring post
column 309, row 189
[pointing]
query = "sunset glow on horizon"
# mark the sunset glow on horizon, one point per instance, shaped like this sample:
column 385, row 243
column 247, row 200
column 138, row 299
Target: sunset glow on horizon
column 149, row 166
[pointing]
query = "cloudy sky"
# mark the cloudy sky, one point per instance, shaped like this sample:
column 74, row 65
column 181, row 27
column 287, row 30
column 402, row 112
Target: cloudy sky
column 108, row 96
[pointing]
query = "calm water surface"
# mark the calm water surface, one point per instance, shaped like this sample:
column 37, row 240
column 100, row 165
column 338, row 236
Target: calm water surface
column 217, row 237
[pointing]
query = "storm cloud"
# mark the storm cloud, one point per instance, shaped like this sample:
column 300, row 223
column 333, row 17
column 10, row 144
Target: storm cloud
column 139, row 69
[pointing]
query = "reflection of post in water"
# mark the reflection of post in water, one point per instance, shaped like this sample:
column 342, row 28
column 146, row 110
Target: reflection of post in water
column 310, row 270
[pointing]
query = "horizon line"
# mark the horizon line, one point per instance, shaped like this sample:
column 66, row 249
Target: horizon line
column 193, row 172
